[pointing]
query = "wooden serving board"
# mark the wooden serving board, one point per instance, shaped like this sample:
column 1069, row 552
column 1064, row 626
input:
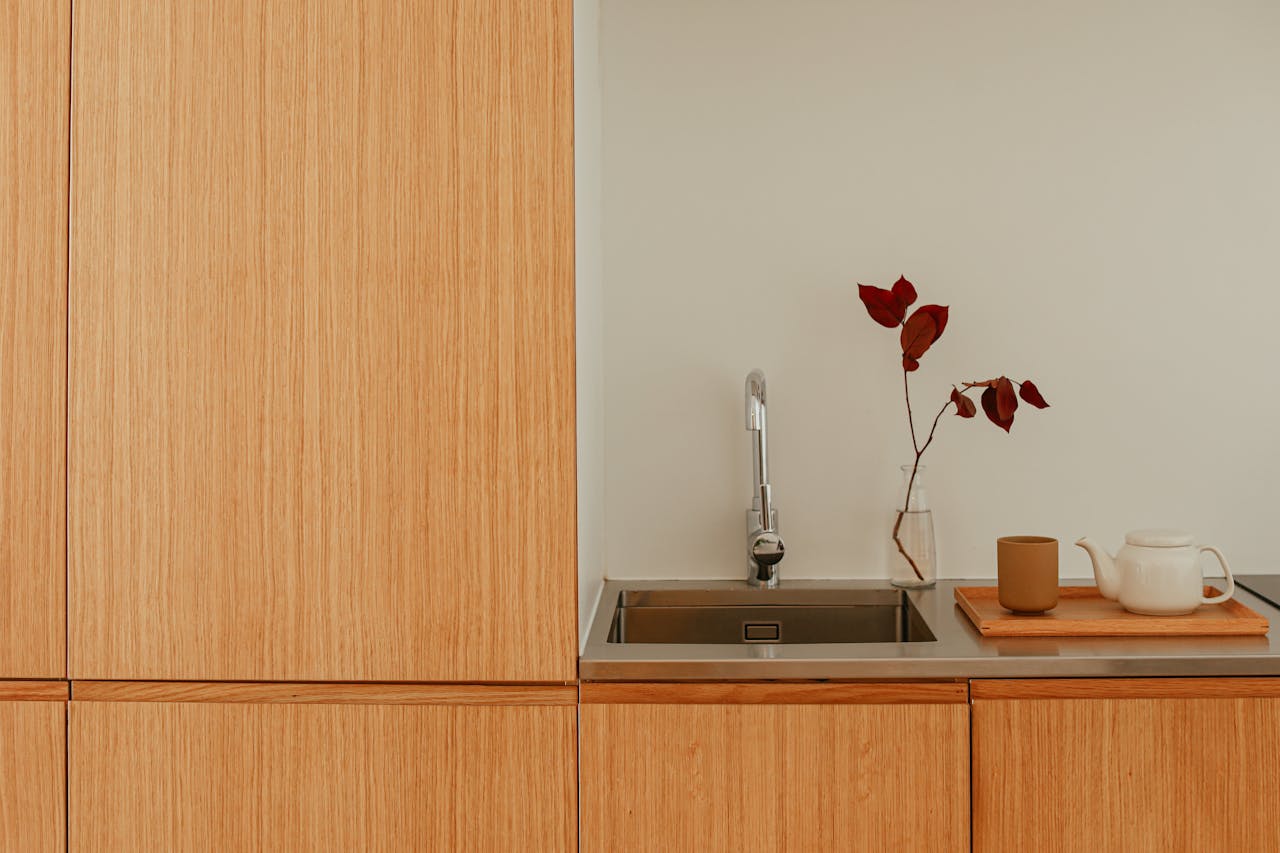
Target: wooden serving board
column 1083, row 612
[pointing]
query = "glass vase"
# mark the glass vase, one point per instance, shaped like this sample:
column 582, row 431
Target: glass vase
column 913, row 554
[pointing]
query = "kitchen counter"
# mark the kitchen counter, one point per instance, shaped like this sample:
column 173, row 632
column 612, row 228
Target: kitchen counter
column 959, row 651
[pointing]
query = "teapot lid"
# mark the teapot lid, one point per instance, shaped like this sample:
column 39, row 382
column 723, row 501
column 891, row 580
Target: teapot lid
column 1159, row 537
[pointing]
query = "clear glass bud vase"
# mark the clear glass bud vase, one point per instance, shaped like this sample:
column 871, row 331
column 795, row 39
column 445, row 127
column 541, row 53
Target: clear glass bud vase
column 913, row 554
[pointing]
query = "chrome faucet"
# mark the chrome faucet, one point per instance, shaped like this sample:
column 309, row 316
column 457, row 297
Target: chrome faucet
column 764, row 546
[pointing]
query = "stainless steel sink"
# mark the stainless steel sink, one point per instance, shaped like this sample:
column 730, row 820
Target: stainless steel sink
column 768, row 616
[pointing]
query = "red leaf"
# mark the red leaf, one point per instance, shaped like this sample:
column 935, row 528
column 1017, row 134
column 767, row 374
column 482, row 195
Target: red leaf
column 905, row 292
column 882, row 305
column 1006, row 399
column 964, row 406
column 909, row 364
column 939, row 314
column 989, row 406
column 918, row 334
column 1031, row 394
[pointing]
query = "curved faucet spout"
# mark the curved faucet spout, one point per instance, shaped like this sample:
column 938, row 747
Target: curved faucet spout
column 758, row 422
column 756, row 399
column 764, row 545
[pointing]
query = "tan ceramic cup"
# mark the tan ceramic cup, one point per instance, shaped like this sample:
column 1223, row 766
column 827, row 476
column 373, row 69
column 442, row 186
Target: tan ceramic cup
column 1027, row 567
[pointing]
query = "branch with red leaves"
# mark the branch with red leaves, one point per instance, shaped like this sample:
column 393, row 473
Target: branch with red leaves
column 921, row 330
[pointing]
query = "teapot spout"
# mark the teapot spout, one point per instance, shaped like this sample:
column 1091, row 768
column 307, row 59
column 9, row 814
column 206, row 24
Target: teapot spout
column 1104, row 569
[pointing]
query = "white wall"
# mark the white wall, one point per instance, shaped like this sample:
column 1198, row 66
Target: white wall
column 590, row 307
column 1094, row 189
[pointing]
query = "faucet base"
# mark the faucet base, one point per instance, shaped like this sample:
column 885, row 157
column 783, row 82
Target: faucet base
column 770, row 582
column 765, row 550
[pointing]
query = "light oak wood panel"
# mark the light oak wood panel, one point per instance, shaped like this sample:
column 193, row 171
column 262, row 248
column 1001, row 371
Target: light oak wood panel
column 322, row 315
column 33, row 776
column 1127, row 775
column 770, row 693
column 34, row 93
column 440, row 373
column 355, row 694
column 185, row 517
column 47, row 691
column 158, row 776
column 1125, row 688
column 775, row 777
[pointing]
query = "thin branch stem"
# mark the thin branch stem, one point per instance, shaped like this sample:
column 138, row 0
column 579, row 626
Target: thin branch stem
column 915, row 468
column 911, row 420
column 934, row 428
column 971, row 385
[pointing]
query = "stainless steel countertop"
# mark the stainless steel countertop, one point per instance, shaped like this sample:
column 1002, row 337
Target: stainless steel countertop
column 959, row 651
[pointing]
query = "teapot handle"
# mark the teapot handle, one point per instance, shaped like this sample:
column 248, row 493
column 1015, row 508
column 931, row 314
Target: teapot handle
column 1231, row 583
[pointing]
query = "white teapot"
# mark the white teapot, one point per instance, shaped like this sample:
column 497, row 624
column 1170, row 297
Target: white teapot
column 1156, row 573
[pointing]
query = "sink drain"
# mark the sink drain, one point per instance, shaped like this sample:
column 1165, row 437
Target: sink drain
column 761, row 632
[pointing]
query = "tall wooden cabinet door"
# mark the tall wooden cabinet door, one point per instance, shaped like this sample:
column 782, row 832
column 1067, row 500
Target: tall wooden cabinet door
column 726, row 777
column 33, row 729
column 35, row 57
column 1126, row 765
column 322, row 418
column 181, row 776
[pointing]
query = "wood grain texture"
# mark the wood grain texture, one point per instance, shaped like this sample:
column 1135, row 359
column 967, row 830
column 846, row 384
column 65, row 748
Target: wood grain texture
column 332, row 694
column 37, row 691
column 1083, row 612
column 770, row 693
column 33, row 776
column 322, row 382
column 774, row 778
column 1125, row 688
column 34, row 92
column 1127, row 775
column 157, row 776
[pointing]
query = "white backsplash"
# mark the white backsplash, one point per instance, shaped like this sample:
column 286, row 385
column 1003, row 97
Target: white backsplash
column 1093, row 188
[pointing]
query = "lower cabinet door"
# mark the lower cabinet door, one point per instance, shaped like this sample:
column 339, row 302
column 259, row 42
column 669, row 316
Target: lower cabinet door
column 321, row 777
column 1126, row 765
column 670, row 776
column 32, row 773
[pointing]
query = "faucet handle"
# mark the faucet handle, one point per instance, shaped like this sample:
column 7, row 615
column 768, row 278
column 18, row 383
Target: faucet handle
column 767, row 548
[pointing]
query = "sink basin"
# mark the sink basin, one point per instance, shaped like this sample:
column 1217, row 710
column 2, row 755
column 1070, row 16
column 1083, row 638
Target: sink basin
column 751, row 616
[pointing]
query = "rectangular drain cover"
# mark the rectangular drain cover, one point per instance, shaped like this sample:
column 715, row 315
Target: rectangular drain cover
column 761, row 632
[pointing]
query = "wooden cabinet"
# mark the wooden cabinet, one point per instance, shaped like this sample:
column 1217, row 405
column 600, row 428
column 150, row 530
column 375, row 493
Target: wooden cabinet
column 33, row 726
column 321, row 426
column 1126, row 764
column 322, row 369
column 322, row 768
column 745, row 768
column 34, row 94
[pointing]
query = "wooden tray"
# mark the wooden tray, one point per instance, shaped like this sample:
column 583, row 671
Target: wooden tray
column 1082, row 612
